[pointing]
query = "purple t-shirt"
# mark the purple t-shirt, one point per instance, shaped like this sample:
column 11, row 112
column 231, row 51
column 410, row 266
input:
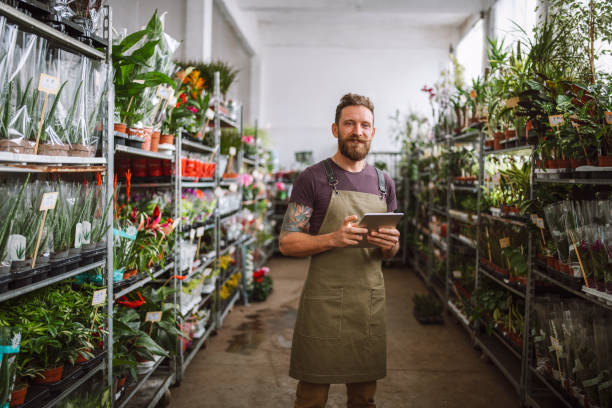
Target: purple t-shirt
column 313, row 190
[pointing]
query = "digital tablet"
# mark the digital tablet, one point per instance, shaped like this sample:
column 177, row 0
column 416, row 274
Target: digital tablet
column 373, row 221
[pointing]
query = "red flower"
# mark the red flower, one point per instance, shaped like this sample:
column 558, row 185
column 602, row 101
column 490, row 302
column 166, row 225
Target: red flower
column 132, row 304
column 178, row 277
column 98, row 179
column 259, row 280
column 128, row 185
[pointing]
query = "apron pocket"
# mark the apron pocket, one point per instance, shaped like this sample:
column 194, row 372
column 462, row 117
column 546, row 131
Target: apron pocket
column 321, row 315
column 377, row 325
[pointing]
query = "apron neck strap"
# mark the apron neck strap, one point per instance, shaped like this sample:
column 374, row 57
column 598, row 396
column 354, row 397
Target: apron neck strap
column 331, row 177
column 382, row 189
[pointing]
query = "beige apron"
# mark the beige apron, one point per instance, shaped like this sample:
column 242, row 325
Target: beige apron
column 339, row 335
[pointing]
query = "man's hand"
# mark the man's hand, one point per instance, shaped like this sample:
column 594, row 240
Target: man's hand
column 387, row 239
column 347, row 234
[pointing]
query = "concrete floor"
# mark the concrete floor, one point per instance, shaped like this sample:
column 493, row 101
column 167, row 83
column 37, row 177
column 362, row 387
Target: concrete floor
column 246, row 365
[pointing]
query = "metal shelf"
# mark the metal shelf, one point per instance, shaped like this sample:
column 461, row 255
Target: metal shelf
column 198, row 184
column 504, row 361
column 197, row 346
column 49, row 281
column 74, row 386
column 468, row 189
column 150, row 185
column 228, row 121
column 525, row 149
column 162, row 390
column 133, row 151
column 504, row 220
column 141, row 381
column 463, row 138
column 57, row 37
column 229, row 306
column 439, row 211
column 561, row 397
column 502, row 283
column 461, row 317
column 228, row 182
column 465, row 241
column 461, row 216
column 43, row 159
column 197, row 146
column 572, row 181
column 593, row 299
column 438, row 240
column 508, row 346
column 248, row 161
column 144, row 281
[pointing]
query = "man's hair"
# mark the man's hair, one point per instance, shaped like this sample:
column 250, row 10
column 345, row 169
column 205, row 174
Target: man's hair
column 351, row 99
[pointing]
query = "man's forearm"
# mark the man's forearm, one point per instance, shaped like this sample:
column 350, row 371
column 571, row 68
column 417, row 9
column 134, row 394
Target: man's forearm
column 302, row 244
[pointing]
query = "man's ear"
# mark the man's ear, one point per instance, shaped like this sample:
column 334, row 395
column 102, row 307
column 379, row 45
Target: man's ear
column 373, row 132
column 335, row 130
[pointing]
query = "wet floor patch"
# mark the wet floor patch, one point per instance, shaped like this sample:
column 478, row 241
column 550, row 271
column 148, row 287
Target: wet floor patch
column 255, row 330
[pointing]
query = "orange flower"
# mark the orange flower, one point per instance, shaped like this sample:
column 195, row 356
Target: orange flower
column 99, row 179
column 128, row 185
column 181, row 75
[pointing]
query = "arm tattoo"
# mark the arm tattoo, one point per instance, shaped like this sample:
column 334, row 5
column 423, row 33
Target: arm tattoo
column 297, row 219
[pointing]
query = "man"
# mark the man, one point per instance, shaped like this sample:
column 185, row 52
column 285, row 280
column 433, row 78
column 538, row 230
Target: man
column 339, row 335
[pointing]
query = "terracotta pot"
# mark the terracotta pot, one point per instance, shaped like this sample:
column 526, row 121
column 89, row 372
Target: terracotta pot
column 135, row 132
column 563, row 163
column 81, row 359
column 139, row 167
column 154, row 168
column 509, row 134
column 148, row 135
column 28, row 147
column 551, row 164
column 550, row 261
column 577, row 163
column 489, row 143
column 556, row 264
column 166, row 139
column 120, row 127
column 497, row 138
column 129, row 274
column 183, row 167
column 18, row 396
column 50, row 375
column 11, row 145
column 604, row 161
column 155, row 137
column 81, row 150
column 565, row 268
column 49, row 149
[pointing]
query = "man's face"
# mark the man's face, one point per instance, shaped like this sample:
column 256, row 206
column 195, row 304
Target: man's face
column 355, row 132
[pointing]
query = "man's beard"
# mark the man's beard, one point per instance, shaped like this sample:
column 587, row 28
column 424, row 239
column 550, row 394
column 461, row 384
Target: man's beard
column 354, row 151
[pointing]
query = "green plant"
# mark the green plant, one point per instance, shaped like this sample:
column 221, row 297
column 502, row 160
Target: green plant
column 427, row 305
column 9, row 209
column 227, row 74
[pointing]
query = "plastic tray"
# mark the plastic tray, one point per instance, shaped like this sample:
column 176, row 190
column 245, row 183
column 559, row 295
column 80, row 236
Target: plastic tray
column 22, row 278
column 64, row 265
column 35, row 397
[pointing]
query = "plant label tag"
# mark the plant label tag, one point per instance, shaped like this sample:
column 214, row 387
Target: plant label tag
column 207, row 272
column 139, row 81
column 192, row 233
column 232, row 151
column 200, row 232
column 534, row 219
column 555, row 343
column 555, row 120
column 48, row 83
column 504, row 243
column 153, row 316
column 512, row 102
column 210, row 114
column 540, row 223
column 233, row 187
column 172, row 101
column 457, row 274
column 219, row 192
column 78, row 235
column 608, row 116
column 48, row 201
column 164, row 92
column 86, row 233
column 16, row 247
column 99, row 297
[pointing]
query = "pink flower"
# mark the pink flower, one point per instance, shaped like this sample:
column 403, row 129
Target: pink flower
column 246, row 179
column 248, row 139
column 280, row 186
column 192, row 109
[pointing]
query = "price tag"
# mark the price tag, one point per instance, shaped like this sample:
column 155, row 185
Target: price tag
column 534, row 218
column 457, row 274
column 99, row 297
column 153, row 316
column 192, row 233
column 504, row 243
column 232, row 151
column 48, row 201
column 210, row 114
column 200, row 232
column 512, row 102
column 555, row 120
column 48, row 83
column 608, row 116
column 164, row 92
column 233, row 187
column 540, row 223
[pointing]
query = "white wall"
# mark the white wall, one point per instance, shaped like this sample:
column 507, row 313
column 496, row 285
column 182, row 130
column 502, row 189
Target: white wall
column 303, row 83
column 226, row 46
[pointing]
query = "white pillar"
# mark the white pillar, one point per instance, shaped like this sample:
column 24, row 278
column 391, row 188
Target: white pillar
column 198, row 30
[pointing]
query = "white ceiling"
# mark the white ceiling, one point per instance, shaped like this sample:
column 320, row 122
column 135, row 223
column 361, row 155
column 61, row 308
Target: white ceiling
column 416, row 13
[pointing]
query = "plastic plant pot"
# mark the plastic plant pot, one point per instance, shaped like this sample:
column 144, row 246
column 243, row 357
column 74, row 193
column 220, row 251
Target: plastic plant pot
column 155, row 137
column 22, row 278
column 166, row 139
column 18, row 395
column 120, row 128
column 497, row 138
column 147, row 133
column 50, row 375
column 563, row 164
column 154, row 168
column 140, row 168
column 604, row 161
